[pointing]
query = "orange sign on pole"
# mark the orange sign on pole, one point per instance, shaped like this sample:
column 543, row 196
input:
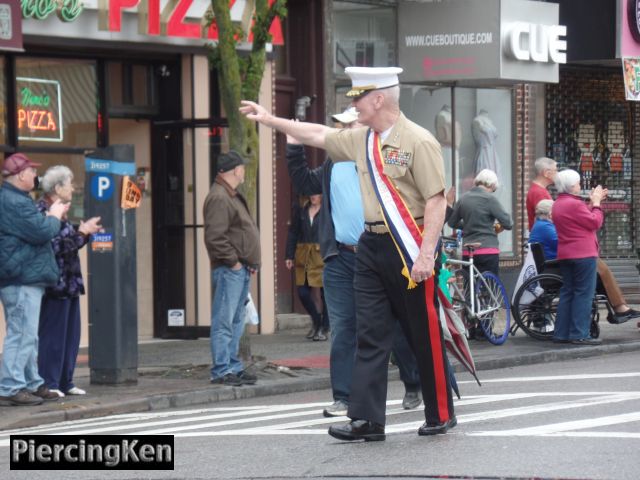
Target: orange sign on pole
column 131, row 194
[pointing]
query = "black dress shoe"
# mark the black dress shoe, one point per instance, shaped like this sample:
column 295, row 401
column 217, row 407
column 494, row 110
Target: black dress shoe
column 428, row 429
column 358, row 430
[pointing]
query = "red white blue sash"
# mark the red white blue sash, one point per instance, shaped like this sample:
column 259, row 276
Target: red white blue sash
column 407, row 236
column 404, row 230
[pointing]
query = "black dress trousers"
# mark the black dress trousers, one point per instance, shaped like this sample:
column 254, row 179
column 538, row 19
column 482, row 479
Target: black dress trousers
column 381, row 296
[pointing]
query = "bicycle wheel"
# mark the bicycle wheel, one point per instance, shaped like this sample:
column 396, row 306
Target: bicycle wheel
column 535, row 305
column 459, row 290
column 491, row 295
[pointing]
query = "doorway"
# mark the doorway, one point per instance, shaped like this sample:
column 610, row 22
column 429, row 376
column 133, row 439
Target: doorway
column 182, row 153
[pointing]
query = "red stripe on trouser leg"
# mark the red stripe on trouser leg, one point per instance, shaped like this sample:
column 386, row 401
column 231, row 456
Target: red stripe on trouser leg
column 442, row 394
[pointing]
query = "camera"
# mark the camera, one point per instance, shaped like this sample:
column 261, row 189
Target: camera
column 302, row 103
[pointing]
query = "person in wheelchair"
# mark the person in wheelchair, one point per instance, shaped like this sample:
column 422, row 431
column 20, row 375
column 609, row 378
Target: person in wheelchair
column 544, row 232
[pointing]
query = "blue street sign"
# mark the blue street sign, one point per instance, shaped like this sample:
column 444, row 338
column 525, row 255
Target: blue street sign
column 99, row 165
column 102, row 187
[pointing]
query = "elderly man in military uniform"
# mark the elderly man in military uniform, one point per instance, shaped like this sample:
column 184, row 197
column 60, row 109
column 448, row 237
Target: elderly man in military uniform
column 401, row 174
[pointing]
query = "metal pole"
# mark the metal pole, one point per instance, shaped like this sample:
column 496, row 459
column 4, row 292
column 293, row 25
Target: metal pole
column 454, row 154
column 194, row 215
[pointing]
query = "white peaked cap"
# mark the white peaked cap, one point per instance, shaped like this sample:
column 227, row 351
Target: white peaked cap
column 350, row 115
column 365, row 79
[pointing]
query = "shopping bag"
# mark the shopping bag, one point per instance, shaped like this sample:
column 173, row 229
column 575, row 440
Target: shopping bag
column 250, row 313
column 529, row 270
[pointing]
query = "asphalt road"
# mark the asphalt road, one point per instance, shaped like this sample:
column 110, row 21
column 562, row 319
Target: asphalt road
column 569, row 420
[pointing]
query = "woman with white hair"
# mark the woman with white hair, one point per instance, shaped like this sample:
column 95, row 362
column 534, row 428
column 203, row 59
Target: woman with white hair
column 59, row 329
column 543, row 231
column 476, row 214
column 576, row 224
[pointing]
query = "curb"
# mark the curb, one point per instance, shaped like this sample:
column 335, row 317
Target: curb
column 555, row 355
column 176, row 400
column 280, row 387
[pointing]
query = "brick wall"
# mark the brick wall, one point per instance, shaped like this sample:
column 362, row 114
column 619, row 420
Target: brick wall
column 525, row 114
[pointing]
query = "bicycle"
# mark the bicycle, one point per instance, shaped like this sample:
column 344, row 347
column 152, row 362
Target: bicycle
column 480, row 299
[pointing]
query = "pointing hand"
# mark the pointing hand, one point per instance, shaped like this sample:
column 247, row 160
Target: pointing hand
column 253, row 111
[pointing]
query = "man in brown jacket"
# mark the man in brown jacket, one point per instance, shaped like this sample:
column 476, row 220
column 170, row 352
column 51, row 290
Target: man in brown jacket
column 233, row 244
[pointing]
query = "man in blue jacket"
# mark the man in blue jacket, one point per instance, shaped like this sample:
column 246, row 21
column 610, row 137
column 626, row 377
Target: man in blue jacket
column 27, row 266
column 339, row 230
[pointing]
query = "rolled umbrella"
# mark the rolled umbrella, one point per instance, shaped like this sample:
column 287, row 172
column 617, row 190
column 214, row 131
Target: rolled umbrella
column 452, row 379
column 454, row 338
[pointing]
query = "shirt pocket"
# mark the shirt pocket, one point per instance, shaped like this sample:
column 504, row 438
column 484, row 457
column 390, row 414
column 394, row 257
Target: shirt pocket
column 395, row 171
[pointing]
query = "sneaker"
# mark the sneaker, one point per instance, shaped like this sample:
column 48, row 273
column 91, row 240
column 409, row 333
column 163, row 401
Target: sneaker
column 230, row 380
column 587, row 341
column 336, row 409
column 319, row 337
column 20, row 399
column 247, row 378
column 411, row 400
column 46, row 394
column 76, row 391
column 311, row 333
column 57, row 392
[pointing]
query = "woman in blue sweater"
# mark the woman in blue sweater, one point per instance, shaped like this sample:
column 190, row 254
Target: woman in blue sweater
column 544, row 231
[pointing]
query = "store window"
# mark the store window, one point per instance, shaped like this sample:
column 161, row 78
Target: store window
column 589, row 127
column 76, row 163
column 365, row 36
column 132, row 88
column 482, row 136
column 56, row 102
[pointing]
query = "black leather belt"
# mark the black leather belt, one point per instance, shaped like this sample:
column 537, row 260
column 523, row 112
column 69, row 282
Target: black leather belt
column 376, row 227
column 380, row 227
column 350, row 248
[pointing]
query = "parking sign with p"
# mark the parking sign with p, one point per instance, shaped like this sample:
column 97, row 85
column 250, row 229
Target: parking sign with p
column 102, row 187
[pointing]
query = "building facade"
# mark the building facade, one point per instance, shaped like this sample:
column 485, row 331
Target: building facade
column 107, row 76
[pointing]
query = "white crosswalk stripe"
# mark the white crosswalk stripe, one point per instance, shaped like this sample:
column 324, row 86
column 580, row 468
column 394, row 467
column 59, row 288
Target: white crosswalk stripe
column 474, row 413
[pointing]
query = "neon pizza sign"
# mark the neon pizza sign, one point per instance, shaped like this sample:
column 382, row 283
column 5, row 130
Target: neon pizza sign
column 39, row 110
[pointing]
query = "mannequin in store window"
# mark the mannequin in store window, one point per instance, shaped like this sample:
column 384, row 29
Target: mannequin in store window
column 444, row 135
column 485, row 135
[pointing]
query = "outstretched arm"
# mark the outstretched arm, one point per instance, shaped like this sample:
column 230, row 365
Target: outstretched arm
column 311, row 134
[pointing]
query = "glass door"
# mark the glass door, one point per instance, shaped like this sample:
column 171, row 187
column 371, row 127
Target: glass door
column 183, row 153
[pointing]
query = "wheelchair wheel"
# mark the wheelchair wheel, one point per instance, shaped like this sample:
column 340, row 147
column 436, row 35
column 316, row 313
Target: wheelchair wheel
column 535, row 305
column 491, row 294
column 594, row 326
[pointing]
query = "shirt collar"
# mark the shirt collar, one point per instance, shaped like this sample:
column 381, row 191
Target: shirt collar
column 394, row 138
column 10, row 186
column 230, row 190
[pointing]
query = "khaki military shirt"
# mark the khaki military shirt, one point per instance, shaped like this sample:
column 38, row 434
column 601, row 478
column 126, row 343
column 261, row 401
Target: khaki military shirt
column 411, row 158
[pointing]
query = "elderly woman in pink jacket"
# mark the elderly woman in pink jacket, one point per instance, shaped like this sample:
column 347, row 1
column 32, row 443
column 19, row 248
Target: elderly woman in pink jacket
column 576, row 223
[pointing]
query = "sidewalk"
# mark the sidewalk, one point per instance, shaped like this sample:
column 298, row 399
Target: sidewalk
column 175, row 373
